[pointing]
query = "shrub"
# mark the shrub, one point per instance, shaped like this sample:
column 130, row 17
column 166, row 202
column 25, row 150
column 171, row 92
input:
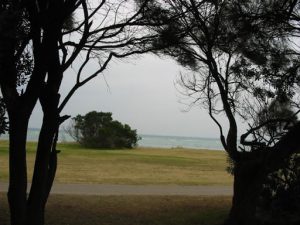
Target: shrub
column 99, row 130
column 280, row 198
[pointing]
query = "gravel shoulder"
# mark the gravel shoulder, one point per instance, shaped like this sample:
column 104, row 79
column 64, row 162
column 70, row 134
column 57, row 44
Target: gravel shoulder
column 114, row 189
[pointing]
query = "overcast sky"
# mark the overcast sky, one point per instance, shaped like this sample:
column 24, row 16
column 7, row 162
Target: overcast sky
column 142, row 94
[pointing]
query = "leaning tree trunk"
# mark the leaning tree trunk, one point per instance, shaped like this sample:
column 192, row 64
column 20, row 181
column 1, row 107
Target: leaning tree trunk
column 43, row 174
column 248, row 183
column 45, row 163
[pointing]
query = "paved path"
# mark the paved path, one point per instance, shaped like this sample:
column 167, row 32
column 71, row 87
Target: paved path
column 112, row 189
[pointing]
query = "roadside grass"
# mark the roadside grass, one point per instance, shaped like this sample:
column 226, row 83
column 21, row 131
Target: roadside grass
column 135, row 166
column 131, row 210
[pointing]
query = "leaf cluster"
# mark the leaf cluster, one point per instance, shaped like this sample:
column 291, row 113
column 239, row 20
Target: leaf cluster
column 280, row 197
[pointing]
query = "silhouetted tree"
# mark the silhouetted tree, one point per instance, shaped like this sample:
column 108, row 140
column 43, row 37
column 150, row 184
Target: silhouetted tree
column 36, row 38
column 237, row 65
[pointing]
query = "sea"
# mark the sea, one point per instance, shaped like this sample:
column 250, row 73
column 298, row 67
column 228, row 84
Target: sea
column 146, row 140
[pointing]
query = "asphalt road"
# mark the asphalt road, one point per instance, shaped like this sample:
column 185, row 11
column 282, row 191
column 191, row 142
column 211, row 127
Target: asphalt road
column 113, row 189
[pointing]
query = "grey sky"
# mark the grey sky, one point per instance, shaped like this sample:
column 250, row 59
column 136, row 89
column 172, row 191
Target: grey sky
column 141, row 93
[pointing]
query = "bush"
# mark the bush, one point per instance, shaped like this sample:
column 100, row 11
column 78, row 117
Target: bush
column 280, row 198
column 99, row 130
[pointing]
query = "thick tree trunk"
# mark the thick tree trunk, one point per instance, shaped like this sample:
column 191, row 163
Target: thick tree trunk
column 17, row 168
column 248, row 181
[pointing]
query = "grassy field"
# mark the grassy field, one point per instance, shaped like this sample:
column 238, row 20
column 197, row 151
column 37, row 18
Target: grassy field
column 136, row 166
column 131, row 210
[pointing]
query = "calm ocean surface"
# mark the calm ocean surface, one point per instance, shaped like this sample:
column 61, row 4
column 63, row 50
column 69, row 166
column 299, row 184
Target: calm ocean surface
column 149, row 141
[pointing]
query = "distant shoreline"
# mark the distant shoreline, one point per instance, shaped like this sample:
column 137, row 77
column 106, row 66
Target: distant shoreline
column 147, row 140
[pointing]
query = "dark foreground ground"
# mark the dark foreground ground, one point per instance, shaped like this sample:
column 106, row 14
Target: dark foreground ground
column 116, row 189
column 131, row 210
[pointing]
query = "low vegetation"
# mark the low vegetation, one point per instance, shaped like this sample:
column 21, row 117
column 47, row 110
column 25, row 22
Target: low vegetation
column 280, row 198
column 134, row 166
column 131, row 210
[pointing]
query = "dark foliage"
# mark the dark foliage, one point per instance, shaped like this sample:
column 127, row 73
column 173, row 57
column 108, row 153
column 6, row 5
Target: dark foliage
column 99, row 130
column 280, row 198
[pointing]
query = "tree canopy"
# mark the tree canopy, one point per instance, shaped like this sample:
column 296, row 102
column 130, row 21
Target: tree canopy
column 99, row 130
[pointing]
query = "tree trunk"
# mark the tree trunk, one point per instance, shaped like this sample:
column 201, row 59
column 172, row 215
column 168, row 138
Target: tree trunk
column 248, row 181
column 45, row 163
column 17, row 168
column 39, row 189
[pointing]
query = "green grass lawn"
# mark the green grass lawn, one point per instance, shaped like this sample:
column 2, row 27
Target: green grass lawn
column 136, row 166
column 131, row 210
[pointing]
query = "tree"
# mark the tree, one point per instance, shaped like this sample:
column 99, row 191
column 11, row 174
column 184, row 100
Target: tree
column 38, row 32
column 99, row 130
column 237, row 66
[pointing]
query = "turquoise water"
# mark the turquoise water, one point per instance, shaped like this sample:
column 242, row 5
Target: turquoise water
column 180, row 142
column 149, row 141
